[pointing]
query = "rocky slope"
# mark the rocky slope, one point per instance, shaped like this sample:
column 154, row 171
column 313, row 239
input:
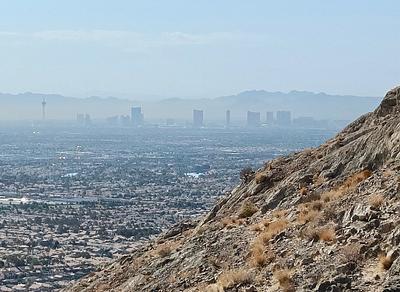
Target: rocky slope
column 324, row 219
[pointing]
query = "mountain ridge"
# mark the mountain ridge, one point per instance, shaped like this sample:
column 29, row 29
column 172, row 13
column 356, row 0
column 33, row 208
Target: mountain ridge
column 323, row 219
column 301, row 103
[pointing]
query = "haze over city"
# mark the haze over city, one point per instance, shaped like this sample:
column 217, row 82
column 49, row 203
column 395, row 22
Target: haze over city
column 199, row 146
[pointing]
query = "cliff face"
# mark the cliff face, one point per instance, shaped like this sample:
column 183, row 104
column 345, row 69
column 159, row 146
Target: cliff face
column 324, row 219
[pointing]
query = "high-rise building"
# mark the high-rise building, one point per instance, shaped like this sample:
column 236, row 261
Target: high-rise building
column 197, row 118
column 44, row 109
column 125, row 120
column 228, row 118
column 80, row 118
column 88, row 120
column 284, row 118
column 137, row 116
column 270, row 118
column 253, row 119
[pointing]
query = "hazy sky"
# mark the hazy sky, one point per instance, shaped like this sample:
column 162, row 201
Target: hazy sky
column 198, row 48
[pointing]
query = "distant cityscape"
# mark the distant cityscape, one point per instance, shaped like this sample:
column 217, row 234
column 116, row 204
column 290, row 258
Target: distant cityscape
column 252, row 120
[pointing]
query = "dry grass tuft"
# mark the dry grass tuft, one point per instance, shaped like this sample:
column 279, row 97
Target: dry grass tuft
column 375, row 201
column 211, row 288
column 303, row 191
column 284, row 279
column 259, row 257
column 306, row 215
column 327, row 234
column 256, row 227
column 164, row 250
column 349, row 185
column 272, row 229
column 248, row 209
column 385, row 261
column 260, row 177
column 233, row 277
column 279, row 213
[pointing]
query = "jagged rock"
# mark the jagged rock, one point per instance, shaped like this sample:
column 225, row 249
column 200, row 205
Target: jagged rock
column 324, row 239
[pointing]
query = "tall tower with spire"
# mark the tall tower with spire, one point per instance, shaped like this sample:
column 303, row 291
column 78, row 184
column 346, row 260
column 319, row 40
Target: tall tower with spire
column 44, row 109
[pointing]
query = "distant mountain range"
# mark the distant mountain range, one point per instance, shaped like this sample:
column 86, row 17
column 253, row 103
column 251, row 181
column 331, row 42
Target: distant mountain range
column 27, row 106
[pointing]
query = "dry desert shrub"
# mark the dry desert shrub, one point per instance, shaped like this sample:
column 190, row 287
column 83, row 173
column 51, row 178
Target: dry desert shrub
column 248, row 209
column 260, row 177
column 385, row 261
column 327, row 234
column 355, row 179
column 303, row 191
column 306, row 216
column 284, row 279
column 313, row 233
column 212, row 288
column 229, row 222
column 259, row 256
column 257, row 227
column 272, row 229
column 233, row 277
column 279, row 213
column 349, row 185
column 164, row 250
column 375, row 201
column 317, row 205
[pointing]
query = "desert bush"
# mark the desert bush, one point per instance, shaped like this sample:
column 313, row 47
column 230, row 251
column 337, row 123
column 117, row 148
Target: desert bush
column 303, row 191
column 327, row 234
column 348, row 185
column 284, row 279
column 211, row 288
column 258, row 257
column 233, row 277
column 306, row 216
column 164, row 250
column 385, row 261
column 354, row 180
column 375, row 201
column 279, row 213
column 247, row 210
column 260, row 177
column 272, row 229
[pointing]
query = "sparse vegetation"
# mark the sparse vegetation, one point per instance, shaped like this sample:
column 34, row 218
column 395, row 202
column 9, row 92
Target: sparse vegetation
column 303, row 191
column 385, row 261
column 349, row 185
column 259, row 256
column 248, row 209
column 284, row 279
column 260, row 177
column 375, row 201
column 327, row 234
column 272, row 229
column 164, row 250
column 306, row 215
column 279, row 213
column 233, row 277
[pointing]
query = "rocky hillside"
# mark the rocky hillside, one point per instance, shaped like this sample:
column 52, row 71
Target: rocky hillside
column 324, row 219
